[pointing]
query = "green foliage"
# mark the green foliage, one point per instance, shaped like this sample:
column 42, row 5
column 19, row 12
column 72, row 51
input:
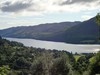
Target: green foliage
column 95, row 64
column 61, row 66
column 98, row 22
column 36, row 61
column 4, row 70
column 98, row 19
column 82, row 64
column 77, row 57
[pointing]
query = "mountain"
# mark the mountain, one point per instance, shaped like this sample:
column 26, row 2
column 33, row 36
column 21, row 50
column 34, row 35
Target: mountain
column 41, row 31
column 85, row 32
column 69, row 32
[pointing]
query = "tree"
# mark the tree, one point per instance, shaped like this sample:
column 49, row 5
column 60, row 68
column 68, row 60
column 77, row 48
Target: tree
column 98, row 19
column 82, row 64
column 95, row 64
column 98, row 22
column 4, row 70
column 61, row 65
column 42, row 65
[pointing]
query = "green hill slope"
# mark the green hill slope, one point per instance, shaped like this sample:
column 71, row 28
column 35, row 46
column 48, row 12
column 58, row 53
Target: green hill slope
column 70, row 32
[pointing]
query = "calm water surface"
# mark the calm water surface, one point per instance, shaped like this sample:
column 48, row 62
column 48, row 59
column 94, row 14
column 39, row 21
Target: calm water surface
column 58, row 45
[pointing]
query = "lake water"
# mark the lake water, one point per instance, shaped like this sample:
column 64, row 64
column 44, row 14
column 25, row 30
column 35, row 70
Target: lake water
column 58, row 45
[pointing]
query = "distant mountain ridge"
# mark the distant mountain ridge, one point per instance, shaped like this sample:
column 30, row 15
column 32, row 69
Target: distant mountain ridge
column 69, row 32
column 83, row 33
column 37, row 32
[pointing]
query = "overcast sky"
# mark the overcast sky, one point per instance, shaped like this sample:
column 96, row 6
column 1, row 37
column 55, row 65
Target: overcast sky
column 33, row 12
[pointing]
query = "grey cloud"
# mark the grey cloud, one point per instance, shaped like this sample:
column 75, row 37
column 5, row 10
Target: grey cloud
column 7, row 3
column 15, row 7
column 68, row 2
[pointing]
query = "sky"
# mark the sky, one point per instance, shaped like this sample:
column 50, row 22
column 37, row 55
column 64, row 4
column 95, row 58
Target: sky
column 33, row 12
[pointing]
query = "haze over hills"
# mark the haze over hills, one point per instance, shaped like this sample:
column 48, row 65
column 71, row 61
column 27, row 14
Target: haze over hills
column 69, row 32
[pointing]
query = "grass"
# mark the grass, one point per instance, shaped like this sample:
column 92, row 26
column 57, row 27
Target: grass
column 77, row 57
column 91, row 60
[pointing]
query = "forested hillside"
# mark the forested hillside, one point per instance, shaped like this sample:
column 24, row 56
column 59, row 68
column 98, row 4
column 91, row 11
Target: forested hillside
column 69, row 32
column 83, row 33
column 16, row 59
column 39, row 31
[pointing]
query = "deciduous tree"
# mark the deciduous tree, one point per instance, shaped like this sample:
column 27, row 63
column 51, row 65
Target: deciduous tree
column 98, row 22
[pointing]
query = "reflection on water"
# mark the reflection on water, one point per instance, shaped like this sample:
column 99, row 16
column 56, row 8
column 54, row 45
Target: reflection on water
column 57, row 45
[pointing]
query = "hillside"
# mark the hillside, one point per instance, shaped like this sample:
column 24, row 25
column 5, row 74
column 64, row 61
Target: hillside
column 69, row 32
column 37, row 32
column 85, row 32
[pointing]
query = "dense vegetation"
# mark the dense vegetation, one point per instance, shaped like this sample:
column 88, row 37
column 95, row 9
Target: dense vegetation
column 16, row 59
column 98, row 22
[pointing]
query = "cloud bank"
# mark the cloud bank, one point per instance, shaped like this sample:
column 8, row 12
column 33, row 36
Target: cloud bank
column 47, row 6
column 78, row 2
